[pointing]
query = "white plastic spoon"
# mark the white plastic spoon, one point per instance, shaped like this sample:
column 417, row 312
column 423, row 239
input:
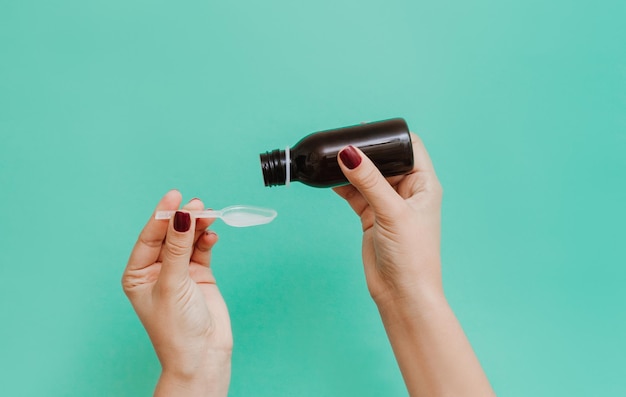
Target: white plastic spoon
column 235, row 215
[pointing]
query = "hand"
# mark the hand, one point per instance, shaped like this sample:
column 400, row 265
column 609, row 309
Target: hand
column 170, row 284
column 401, row 224
column 401, row 240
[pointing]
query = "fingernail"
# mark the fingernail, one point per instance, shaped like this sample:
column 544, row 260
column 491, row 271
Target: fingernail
column 350, row 157
column 182, row 221
column 195, row 198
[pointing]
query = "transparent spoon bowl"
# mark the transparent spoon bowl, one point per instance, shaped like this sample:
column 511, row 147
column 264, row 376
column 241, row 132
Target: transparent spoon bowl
column 234, row 215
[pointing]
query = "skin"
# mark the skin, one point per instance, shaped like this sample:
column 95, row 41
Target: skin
column 169, row 282
column 401, row 221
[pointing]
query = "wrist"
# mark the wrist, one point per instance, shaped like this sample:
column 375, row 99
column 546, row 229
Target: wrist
column 411, row 302
column 406, row 280
column 209, row 378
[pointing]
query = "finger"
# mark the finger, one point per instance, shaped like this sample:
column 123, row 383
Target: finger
column 354, row 198
column 150, row 241
column 423, row 178
column 368, row 180
column 195, row 204
column 202, row 252
column 421, row 158
column 177, row 249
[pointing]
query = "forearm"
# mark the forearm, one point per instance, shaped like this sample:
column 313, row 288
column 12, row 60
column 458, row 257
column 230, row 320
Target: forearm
column 433, row 353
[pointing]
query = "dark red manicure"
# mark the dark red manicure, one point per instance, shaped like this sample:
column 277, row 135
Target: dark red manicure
column 350, row 157
column 182, row 221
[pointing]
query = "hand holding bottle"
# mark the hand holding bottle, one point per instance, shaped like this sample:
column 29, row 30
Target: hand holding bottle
column 171, row 287
column 401, row 224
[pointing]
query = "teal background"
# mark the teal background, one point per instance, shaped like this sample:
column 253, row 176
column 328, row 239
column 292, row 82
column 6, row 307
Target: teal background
column 104, row 106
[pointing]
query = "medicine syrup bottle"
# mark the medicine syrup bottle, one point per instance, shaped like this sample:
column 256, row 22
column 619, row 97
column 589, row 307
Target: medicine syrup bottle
column 313, row 160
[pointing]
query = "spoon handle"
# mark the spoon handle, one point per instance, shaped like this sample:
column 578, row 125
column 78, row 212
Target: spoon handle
column 196, row 214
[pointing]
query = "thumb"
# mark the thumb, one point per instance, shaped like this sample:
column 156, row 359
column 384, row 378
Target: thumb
column 177, row 250
column 367, row 179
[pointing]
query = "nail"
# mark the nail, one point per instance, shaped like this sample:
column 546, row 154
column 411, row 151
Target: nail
column 182, row 221
column 350, row 157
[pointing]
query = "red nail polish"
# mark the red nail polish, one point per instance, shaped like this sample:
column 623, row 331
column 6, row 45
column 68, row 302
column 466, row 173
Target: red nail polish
column 182, row 221
column 350, row 157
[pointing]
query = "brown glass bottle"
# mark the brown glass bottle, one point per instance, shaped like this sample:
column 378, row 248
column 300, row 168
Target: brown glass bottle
column 313, row 160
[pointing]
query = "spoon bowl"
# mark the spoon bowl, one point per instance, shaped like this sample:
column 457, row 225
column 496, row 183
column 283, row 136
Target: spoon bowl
column 245, row 215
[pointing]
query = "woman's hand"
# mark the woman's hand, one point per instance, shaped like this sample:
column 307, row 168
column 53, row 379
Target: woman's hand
column 401, row 239
column 401, row 224
column 170, row 284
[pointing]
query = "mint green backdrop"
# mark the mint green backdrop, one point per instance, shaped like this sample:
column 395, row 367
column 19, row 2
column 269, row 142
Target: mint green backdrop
column 105, row 105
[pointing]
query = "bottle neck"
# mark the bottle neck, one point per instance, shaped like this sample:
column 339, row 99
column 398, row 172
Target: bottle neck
column 276, row 166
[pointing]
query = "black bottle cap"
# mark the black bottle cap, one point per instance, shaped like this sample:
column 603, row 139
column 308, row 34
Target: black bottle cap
column 274, row 166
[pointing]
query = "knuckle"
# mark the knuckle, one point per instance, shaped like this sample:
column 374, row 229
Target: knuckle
column 370, row 179
column 176, row 248
column 128, row 284
column 437, row 189
column 150, row 243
